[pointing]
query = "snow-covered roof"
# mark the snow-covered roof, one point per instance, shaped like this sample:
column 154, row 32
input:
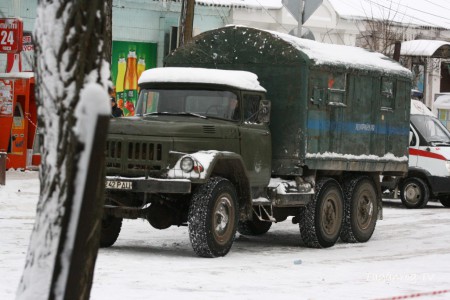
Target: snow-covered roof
column 239, row 79
column 420, row 13
column 348, row 56
column 418, row 108
column 442, row 102
column 421, row 47
column 267, row 4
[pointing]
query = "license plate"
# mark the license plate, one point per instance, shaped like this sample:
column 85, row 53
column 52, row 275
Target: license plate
column 119, row 185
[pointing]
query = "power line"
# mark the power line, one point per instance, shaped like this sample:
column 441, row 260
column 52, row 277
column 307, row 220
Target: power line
column 412, row 8
column 224, row 16
column 384, row 8
column 272, row 16
column 406, row 15
column 438, row 5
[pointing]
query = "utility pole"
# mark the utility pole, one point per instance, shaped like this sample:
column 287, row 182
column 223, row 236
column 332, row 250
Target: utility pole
column 186, row 21
column 300, row 18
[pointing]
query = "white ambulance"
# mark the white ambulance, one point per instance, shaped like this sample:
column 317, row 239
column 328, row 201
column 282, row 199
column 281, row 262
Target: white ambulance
column 429, row 160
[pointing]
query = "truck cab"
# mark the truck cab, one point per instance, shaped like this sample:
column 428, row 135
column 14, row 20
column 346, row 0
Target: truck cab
column 429, row 160
column 200, row 138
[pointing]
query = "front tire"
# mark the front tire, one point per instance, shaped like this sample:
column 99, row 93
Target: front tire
column 321, row 220
column 360, row 210
column 414, row 193
column 213, row 217
column 111, row 227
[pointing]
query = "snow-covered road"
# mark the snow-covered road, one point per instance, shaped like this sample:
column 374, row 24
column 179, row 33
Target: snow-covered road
column 409, row 253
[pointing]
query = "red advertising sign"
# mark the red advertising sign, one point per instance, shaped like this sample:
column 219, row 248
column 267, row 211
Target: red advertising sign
column 11, row 34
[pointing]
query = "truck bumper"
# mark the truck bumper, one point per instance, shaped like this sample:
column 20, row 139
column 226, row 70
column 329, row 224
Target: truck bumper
column 148, row 185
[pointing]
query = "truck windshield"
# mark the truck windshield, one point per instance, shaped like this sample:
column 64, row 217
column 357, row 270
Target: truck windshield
column 431, row 129
column 202, row 103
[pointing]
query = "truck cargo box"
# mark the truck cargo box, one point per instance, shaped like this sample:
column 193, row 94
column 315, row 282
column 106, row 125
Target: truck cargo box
column 333, row 107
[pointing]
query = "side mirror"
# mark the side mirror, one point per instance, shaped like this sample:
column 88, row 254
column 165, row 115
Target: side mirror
column 264, row 111
column 412, row 140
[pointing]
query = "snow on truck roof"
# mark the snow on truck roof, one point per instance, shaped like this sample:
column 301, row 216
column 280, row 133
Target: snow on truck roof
column 346, row 56
column 238, row 79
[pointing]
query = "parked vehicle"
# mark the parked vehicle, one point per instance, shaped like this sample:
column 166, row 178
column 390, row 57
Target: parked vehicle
column 207, row 149
column 429, row 160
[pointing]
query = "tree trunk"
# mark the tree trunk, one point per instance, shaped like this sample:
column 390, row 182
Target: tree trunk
column 69, row 41
column 108, row 32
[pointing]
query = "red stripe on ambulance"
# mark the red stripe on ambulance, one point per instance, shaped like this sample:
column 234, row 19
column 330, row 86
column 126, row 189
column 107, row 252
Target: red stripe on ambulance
column 418, row 152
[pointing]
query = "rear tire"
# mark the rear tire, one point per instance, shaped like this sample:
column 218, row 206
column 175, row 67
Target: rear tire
column 414, row 193
column 321, row 219
column 213, row 217
column 360, row 210
column 254, row 226
column 111, row 227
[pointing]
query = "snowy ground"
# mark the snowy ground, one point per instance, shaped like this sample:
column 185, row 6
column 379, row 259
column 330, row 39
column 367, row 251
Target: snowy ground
column 408, row 254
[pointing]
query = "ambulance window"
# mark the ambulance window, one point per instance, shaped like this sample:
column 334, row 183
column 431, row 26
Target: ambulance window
column 413, row 138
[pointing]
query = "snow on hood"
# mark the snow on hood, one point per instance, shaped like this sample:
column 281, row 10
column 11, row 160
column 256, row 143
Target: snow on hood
column 347, row 56
column 238, row 79
column 418, row 108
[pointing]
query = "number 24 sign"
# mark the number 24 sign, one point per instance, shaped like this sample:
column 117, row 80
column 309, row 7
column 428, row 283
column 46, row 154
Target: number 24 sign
column 11, row 34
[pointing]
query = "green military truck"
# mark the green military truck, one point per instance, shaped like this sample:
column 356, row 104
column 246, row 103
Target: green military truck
column 245, row 128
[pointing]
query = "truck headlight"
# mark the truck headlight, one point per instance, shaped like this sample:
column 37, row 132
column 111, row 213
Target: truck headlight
column 187, row 164
column 447, row 165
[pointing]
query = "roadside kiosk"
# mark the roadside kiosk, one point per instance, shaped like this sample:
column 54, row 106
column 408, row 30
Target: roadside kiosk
column 18, row 120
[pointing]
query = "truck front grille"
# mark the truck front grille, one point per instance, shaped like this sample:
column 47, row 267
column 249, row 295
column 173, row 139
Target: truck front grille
column 127, row 156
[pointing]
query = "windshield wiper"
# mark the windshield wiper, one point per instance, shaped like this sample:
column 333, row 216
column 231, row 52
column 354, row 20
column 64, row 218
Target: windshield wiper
column 158, row 113
column 440, row 142
column 191, row 114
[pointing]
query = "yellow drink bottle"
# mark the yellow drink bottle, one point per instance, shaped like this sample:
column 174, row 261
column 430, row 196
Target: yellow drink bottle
column 140, row 68
column 130, row 85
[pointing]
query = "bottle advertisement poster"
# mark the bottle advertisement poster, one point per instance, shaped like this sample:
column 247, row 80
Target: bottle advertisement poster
column 129, row 60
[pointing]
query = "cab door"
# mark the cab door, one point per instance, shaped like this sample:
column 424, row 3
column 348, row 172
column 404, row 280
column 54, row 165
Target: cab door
column 255, row 141
column 18, row 131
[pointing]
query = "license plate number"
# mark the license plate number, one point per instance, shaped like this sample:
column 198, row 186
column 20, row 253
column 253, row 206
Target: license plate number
column 119, row 185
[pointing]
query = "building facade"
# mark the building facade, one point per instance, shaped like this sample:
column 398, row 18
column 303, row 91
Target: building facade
column 155, row 22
